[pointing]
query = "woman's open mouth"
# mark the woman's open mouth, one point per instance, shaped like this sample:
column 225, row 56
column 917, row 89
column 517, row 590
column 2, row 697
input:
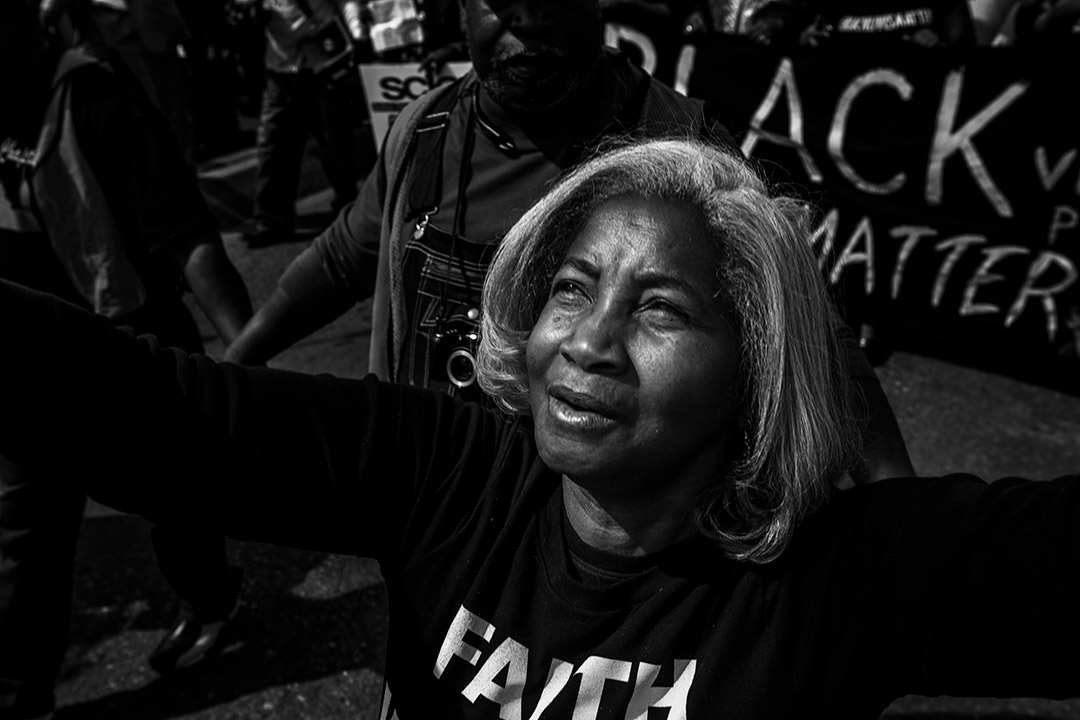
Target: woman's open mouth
column 579, row 410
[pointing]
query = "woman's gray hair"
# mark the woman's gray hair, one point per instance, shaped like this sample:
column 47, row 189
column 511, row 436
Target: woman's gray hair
column 801, row 436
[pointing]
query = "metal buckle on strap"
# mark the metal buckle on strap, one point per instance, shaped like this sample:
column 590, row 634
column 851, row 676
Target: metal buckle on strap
column 422, row 222
column 432, row 122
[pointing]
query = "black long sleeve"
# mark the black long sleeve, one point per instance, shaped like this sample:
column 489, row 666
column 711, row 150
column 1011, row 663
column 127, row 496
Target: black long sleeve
column 307, row 461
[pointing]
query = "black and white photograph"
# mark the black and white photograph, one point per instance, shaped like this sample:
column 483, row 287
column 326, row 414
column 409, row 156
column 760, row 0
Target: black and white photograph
column 539, row 359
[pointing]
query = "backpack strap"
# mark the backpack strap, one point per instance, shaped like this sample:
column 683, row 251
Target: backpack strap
column 427, row 153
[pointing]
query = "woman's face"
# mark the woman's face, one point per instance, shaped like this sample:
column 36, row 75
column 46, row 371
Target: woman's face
column 633, row 363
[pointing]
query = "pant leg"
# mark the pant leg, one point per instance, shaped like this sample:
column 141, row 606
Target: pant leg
column 196, row 566
column 279, row 146
column 336, row 122
column 39, row 525
column 164, row 77
column 215, row 120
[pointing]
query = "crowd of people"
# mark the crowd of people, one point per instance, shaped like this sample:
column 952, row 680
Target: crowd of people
column 928, row 23
column 613, row 415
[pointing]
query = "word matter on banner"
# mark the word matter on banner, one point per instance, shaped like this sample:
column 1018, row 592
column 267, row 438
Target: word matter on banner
column 946, row 185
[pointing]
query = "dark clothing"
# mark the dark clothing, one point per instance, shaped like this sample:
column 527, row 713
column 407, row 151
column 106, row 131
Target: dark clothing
column 39, row 526
column 296, row 106
column 124, row 150
column 149, row 191
column 288, row 24
column 862, row 23
column 423, row 280
column 1060, row 34
column 442, row 23
column 497, row 609
column 214, row 52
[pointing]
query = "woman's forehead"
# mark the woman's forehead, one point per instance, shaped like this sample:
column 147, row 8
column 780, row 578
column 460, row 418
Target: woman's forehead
column 662, row 232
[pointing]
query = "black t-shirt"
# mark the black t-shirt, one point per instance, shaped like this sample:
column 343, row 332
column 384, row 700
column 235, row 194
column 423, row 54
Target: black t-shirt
column 931, row 586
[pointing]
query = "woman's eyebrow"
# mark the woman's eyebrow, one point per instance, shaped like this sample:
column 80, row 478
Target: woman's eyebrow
column 653, row 278
column 581, row 265
column 649, row 279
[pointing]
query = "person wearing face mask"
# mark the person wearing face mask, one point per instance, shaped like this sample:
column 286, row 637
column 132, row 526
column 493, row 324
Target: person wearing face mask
column 648, row 524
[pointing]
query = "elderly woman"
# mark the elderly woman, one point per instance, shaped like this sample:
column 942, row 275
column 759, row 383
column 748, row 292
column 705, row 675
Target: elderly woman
column 652, row 525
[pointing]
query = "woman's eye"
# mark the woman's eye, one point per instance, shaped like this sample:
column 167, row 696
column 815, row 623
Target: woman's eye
column 564, row 288
column 665, row 310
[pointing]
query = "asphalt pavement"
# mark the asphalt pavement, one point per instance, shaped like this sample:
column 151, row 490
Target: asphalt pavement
column 311, row 639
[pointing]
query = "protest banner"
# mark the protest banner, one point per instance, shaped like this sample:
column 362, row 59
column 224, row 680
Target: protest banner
column 947, row 183
column 389, row 87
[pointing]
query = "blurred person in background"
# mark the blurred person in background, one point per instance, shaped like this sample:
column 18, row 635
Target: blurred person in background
column 993, row 21
column 145, row 38
column 397, row 28
column 876, row 24
column 459, row 166
column 1052, row 25
column 727, row 17
column 216, row 37
column 1047, row 25
column 650, row 521
column 541, row 89
column 300, row 100
column 98, row 206
column 444, row 38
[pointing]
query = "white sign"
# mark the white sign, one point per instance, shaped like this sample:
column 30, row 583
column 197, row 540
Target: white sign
column 389, row 87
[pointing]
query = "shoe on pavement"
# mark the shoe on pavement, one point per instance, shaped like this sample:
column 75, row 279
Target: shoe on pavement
column 192, row 640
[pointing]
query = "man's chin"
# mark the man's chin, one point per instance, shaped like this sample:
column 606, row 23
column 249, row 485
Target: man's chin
column 534, row 105
column 531, row 97
column 530, row 90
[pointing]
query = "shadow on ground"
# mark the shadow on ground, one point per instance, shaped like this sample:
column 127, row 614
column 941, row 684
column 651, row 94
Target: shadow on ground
column 306, row 617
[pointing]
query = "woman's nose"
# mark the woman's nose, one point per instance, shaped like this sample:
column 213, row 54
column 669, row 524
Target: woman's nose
column 596, row 342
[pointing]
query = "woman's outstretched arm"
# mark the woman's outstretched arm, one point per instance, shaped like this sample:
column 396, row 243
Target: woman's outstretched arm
column 300, row 460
